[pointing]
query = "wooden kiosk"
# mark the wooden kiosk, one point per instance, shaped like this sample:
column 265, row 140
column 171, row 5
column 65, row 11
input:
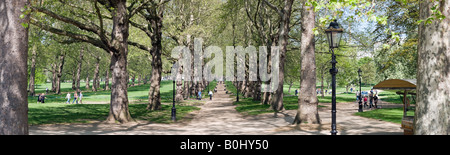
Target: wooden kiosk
column 401, row 87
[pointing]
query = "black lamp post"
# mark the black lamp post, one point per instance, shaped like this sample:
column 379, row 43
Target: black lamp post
column 174, row 110
column 360, row 109
column 334, row 34
column 237, row 92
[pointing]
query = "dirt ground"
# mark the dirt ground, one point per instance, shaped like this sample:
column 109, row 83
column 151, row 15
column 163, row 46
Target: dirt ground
column 219, row 117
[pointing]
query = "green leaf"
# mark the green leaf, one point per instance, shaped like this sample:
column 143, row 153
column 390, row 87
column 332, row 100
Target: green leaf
column 419, row 21
column 25, row 25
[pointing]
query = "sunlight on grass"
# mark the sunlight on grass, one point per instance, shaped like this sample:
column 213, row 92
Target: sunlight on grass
column 84, row 113
column 394, row 115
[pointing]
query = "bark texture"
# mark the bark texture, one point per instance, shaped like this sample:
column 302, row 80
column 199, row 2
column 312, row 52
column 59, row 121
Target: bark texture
column 154, row 96
column 119, row 94
column 13, row 68
column 78, row 75
column 33, row 71
column 307, row 99
column 432, row 115
column 283, row 35
column 59, row 70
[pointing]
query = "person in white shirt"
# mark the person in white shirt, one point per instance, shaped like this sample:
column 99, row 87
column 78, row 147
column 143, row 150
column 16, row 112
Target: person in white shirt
column 68, row 98
column 210, row 95
column 80, row 97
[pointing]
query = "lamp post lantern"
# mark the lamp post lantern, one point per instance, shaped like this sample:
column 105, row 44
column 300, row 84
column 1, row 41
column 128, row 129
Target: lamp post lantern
column 334, row 34
column 360, row 109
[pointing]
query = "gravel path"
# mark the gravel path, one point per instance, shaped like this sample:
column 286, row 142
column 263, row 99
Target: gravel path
column 219, row 117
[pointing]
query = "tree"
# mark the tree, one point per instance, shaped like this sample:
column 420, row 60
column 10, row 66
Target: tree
column 13, row 67
column 433, row 73
column 283, row 36
column 154, row 18
column 307, row 99
column 114, row 42
column 152, row 13
column 78, row 74
column 59, row 69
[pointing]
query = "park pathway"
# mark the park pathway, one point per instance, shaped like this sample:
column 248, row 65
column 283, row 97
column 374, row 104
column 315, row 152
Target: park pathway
column 219, row 117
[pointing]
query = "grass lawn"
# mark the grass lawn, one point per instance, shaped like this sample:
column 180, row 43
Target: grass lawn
column 249, row 107
column 135, row 93
column 394, row 115
column 54, row 113
column 54, row 110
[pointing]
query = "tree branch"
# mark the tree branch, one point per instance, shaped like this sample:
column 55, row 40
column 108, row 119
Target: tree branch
column 142, row 28
column 100, row 18
column 94, row 29
column 76, row 36
column 275, row 8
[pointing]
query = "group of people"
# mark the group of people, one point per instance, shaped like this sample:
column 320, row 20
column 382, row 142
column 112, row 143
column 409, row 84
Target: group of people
column 76, row 98
column 318, row 91
column 210, row 93
column 371, row 97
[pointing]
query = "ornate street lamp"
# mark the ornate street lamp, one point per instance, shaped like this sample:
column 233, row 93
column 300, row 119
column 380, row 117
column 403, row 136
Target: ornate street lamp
column 360, row 109
column 334, row 34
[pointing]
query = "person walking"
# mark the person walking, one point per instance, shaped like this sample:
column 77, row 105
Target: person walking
column 75, row 97
column 365, row 101
column 68, row 98
column 296, row 92
column 80, row 97
column 375, row 100
column 199, row 95
column 210, row 95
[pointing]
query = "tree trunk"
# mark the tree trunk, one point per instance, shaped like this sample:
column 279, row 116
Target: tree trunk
column 74, row 77
column 186, row 91
column 13, row 68
column 179, row 84
column 87, row 76
column 290, row 86
column 107, row 79
column 307, row 99
column 145, row 79
column 59, row 73
column 321, row 84
column 96, row 72
column 54, row 74
column 433, row 73
column 33, row 70
column 119, row 94
column 139, row 79
column 277, row 99
column 78, row 76
column 154, row 96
